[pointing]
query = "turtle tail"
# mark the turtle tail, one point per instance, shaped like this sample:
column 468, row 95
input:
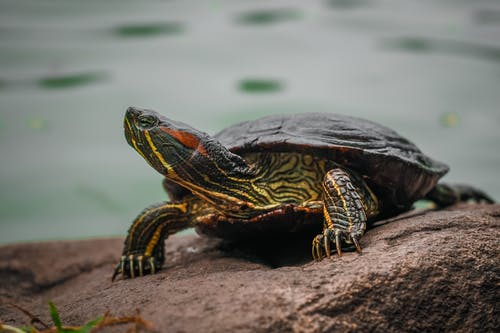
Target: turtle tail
column 445, row 194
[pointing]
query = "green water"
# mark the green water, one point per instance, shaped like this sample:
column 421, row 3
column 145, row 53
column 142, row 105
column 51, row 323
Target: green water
column 69, row 69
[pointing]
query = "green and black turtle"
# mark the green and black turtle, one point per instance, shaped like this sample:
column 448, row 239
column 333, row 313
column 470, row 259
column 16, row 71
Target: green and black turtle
column 277, row 174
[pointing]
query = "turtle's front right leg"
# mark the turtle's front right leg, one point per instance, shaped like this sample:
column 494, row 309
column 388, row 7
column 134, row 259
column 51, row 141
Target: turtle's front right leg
column 347, row 204
column 143, row 251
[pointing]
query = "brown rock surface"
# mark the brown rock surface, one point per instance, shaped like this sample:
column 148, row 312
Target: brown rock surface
column 432, row 271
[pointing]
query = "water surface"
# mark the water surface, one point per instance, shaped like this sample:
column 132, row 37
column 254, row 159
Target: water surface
column 69, row 69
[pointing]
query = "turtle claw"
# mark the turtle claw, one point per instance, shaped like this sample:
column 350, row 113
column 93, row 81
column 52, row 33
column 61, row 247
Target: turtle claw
column 356, row 244
column 316, row 247
column 337, row 242
column 131, row 266
column 326, row 244
column 134, row 265
column 321, row 243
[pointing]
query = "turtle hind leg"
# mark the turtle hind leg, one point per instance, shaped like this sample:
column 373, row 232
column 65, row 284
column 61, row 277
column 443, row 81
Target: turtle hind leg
column 347, row 204
column 444, row 195
column 143, row 251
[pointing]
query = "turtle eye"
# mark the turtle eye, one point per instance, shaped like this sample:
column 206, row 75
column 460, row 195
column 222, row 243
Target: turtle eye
column 147, row 121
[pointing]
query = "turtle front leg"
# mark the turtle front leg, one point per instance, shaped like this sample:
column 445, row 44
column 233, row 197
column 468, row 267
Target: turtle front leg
column 143, row 251
column 347, row 204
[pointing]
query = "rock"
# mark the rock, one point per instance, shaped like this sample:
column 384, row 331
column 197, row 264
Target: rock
column 427, row 271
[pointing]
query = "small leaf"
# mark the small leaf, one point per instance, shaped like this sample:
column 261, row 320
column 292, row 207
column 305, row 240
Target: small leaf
column 449, row 119
column 12, row 329
column 29, row 329
column 55, row 317
column 87, row 328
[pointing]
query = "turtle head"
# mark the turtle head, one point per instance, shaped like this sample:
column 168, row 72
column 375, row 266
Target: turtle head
column 179, row 151
column 165, row 144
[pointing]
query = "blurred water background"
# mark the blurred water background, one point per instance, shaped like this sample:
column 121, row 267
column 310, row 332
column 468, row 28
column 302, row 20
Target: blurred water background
column 68, row 69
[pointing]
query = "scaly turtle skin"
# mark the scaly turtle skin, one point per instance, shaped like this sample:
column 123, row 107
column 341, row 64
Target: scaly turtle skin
column 274, row 175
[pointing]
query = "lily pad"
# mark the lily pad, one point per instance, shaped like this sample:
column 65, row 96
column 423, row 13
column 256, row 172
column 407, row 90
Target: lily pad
column 70, row 80
column 269, row 16
column 346, row 4
column 445, row 46
column 149, row 29
column 412, row 44
column 260, row 85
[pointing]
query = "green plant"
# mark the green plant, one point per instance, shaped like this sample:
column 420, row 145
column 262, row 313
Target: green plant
column 92, row 326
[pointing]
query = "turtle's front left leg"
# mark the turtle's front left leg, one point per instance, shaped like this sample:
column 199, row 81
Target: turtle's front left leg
column 143, row 251
column 347, row 203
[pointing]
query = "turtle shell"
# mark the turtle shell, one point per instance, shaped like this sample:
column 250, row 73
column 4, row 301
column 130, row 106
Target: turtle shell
column 396, row 169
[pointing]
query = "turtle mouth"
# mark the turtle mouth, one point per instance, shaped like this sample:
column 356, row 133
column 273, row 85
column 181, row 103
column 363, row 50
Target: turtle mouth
column 130, row 134
column 135, row 136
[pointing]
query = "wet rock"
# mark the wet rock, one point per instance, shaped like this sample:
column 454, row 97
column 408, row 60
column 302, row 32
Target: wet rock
column 427, row 271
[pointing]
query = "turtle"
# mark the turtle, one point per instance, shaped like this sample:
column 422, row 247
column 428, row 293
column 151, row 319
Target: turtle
column 279, row 174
